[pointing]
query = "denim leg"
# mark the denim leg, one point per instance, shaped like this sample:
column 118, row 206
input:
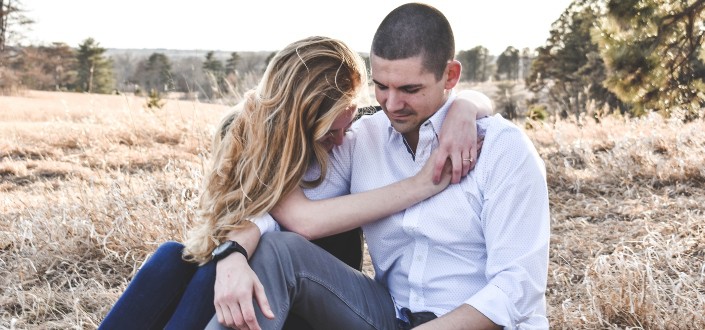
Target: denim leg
column 154, row 292
column 196, row 307
column 301, row 277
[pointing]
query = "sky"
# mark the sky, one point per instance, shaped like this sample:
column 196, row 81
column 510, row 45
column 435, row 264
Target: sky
column 264, row 25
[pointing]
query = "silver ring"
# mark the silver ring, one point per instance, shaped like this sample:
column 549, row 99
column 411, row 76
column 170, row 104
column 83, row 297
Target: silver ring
column 467, row 160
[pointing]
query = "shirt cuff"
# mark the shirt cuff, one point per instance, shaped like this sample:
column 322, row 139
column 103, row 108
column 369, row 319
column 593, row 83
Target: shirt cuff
column 492, row 302
column 266, row 224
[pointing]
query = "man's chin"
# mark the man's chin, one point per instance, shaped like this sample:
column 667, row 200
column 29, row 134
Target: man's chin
column 402, row 126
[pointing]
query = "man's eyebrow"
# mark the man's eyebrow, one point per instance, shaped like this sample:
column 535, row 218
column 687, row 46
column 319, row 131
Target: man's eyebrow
column 409, row 86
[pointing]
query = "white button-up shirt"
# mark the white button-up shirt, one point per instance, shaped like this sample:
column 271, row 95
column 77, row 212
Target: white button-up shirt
column 481, row 242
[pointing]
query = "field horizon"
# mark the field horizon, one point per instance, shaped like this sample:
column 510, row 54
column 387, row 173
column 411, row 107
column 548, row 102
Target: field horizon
column 91, row 184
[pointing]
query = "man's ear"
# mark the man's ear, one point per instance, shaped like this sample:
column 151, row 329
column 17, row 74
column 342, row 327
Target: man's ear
column 453, row 70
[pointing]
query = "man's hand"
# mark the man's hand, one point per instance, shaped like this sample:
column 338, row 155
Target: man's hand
column 235, row 285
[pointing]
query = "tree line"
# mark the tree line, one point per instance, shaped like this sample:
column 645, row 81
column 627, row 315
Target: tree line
column 601, row 56
column 88, row 68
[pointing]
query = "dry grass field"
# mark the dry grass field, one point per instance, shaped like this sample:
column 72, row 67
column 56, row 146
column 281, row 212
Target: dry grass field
column 90, row 185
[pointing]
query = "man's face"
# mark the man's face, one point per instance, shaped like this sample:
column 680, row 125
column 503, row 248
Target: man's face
column 335, row 135
column 407, row 92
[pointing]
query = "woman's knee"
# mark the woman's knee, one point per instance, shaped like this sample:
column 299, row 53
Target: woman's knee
column 169, row 250
column 167, row 259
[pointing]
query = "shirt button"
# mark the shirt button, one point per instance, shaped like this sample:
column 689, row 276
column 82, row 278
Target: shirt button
column 419, row 258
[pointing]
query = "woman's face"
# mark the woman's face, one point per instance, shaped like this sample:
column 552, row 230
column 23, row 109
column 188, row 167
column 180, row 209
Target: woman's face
column 335, row 135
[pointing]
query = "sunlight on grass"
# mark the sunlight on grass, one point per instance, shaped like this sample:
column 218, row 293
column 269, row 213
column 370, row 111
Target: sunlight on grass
column 91, row 185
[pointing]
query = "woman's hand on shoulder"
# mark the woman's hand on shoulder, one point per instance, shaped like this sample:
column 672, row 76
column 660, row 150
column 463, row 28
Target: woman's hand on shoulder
column 459, row 141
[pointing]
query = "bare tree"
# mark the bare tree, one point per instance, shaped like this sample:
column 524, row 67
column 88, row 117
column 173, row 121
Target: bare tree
column 11, row 17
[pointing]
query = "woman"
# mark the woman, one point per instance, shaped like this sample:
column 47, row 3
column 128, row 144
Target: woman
column 300, row 110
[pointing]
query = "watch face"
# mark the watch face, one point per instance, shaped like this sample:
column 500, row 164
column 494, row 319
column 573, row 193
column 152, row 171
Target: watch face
column 222, row 247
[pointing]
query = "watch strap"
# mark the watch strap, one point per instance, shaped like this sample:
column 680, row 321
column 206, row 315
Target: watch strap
column 234, row 247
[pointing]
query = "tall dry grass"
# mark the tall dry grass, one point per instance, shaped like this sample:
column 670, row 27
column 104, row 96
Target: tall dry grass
column 628, row 223
column 90, row 185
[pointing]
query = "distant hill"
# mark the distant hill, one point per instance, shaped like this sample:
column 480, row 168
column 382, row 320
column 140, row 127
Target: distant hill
column 177, row 53
column 183, row 53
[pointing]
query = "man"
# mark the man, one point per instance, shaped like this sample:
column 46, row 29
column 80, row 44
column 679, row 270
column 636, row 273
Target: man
column 473, row 256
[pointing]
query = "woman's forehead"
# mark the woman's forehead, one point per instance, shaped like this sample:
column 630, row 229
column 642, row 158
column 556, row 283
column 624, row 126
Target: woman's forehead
column 345, row 118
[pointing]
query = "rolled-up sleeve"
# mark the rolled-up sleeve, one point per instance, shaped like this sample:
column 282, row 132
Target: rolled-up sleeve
column 266, row 224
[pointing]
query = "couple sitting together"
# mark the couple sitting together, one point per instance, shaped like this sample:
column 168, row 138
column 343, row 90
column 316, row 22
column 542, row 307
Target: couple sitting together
column 458, row 238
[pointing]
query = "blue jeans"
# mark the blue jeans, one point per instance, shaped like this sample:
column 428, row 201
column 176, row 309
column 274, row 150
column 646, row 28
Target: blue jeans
column 166, row 293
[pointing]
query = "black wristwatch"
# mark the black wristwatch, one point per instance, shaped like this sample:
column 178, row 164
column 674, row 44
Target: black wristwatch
column 226, row 248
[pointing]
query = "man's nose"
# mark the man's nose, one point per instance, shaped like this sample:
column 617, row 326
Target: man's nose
column 394, row 101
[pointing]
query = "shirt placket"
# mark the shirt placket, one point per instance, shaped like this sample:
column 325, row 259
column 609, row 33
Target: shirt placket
column 427, row 141
column 412, row 221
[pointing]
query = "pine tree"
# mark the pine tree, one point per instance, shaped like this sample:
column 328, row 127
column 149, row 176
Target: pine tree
column 569, row 69
column 653, row 50
column 154, row 73
column 94, row 70
column 476, row 64
column 215, row 72
column 231, row 63
column 508, row 64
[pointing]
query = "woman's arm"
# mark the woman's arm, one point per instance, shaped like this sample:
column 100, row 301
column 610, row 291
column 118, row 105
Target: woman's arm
column 458, row 139
column 320, row 218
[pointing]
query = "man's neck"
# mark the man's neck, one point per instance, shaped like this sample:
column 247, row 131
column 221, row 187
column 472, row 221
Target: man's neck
column 412, row 139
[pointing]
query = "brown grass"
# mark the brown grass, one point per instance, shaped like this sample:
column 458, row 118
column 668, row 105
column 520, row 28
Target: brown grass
column 90, row 185
column 628, row 228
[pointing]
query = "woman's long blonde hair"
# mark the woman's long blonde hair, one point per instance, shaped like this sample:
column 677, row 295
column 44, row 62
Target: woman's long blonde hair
column 269, row 141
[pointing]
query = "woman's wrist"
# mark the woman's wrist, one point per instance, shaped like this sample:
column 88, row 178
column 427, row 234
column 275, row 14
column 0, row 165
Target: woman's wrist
column 422, row 187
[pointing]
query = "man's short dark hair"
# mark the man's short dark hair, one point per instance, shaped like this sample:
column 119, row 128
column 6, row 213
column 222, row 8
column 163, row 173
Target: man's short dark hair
column 416, row 29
